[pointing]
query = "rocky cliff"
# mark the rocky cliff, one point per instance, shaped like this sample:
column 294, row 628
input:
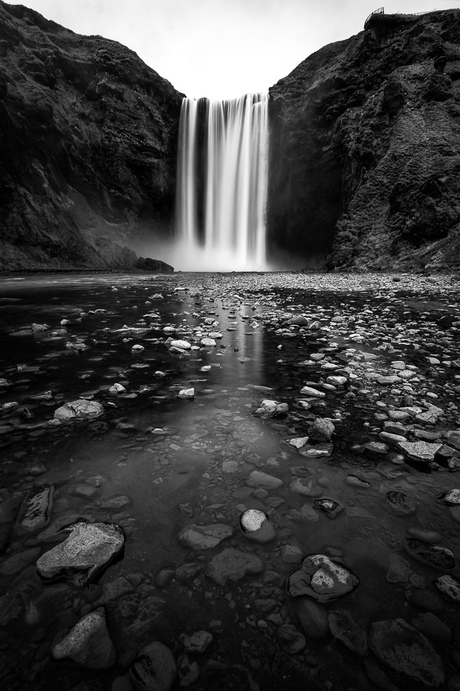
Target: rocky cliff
column 365, row 148
column 88, row 137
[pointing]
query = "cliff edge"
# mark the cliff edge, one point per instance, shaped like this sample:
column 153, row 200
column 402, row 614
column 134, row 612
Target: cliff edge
column 88, row 137
column 365, row 148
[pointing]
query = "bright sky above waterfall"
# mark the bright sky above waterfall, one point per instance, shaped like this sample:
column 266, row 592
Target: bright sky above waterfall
column 222, row 48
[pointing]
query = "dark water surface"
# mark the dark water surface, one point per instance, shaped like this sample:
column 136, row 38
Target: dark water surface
column 182, row 462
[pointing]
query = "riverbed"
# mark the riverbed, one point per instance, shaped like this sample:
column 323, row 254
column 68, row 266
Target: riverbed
column 181, row 365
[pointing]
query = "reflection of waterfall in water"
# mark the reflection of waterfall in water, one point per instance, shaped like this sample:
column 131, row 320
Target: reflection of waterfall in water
column 222, row 184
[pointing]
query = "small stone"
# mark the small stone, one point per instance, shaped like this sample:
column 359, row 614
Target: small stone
column 232, row 565
column 449, row 586
column 312, row 617
column 433, row 628
column 201, row 537
column 35, row 510
column 259, row 479
column 186, row 393
column 269, row 408
column 80, row 409
column 306, row 487
column 321, row 429
column 291, row 554
column 256, row 526
column 321, row 578
column 427, row 600
column 290, row 639
column 88, row 643
column 154, row 669
column 198, row 642
column 434, row 555
column 309, row 391
column 345, row 629
column 401, row 503
column 451, row 497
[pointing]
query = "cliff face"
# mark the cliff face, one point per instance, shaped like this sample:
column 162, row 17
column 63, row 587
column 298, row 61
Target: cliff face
column 365, row 148
column 88, row 137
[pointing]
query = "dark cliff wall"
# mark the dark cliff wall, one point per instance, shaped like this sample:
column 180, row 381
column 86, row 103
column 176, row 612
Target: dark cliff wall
column 365, row 148
column 88, row 137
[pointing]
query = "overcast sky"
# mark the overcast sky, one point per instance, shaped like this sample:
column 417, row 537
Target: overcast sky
column 222, row 48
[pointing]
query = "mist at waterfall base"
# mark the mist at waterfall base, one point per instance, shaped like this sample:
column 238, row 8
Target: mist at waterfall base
column 222, row 176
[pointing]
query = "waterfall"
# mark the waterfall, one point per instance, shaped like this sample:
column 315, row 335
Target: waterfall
column 222, row 184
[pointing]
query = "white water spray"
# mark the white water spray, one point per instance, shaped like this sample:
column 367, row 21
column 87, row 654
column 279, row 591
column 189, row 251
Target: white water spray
column 222, row 185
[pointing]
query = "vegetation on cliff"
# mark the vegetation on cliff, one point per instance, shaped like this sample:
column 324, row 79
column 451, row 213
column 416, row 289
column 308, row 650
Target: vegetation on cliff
column 88, row 137
column 365, row 148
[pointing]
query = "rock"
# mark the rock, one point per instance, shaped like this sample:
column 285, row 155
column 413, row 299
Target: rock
column 401, row 503
column 427, row 600
column 330, row 507
column 233, row 565
column 312, row 617
column 117, row 388
column 453, row 439
column 186, row 393
column 433, row 628
column 18, row 562
column 321, row 429
column 434, row 555
column 116, row 503
column 164, row 577
column 268, row 408
column 8, row 513
column 405, row 650
column 290, row 639
column 80, row 409
column 259, row 479
column 154, row 669
column 306, row 487
column 430, row 536
column 197, row 643
column 421, row 451
column 88, row 643
column 399, row 570
column 208, row 342
column 256, row 526
column 345, row 629
column 449, row 586
column 451, row 497
column 309, row 391
column 180, row 345
column 298, row 442
column 200, row 537
column 87, row 550
column 290, row 554
column 321, row 578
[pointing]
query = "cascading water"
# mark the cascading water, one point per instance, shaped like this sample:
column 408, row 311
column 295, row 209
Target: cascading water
column 222, row 184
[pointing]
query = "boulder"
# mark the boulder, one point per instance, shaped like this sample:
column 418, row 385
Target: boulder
column 405, row 650
column 88, row 643
column 88, row 549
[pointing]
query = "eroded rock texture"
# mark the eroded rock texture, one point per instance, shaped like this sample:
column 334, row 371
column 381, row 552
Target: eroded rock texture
column 365, row 148
column 88, row 137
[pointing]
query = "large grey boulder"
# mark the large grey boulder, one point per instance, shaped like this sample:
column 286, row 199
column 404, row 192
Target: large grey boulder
column 88, row 642
column 88, row 548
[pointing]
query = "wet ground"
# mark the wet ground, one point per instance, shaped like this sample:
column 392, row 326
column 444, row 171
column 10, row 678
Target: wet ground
column 159, row 460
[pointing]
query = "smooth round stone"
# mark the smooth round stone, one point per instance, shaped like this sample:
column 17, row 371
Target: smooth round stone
column 259, row 479
column 433, row 628
column 345, row 629
column 429, row 536
column 154, row 669
column 312, row 617
column 256, row 526
column 426, row 600
column 290, row 639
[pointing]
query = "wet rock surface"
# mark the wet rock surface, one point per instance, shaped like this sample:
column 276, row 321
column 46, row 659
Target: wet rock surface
column 158, row 467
